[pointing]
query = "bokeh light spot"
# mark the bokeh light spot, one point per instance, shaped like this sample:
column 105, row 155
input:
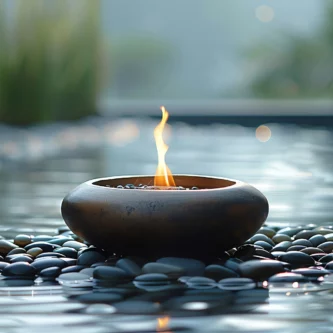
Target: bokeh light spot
column 263, row 133
column 265, row 13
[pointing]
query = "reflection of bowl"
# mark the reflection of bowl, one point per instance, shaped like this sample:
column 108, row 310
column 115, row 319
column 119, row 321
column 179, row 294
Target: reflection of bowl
column 191, row 223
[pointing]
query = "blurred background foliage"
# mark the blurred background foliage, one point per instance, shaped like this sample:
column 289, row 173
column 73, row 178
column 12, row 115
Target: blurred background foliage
column 295, row 66
column 51, row 59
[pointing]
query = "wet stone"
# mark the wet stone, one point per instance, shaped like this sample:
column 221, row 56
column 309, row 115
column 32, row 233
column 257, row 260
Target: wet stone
column 21, row 259
column 282, row 246
column 60, row 241
column 22, row 240
column 287, row 277
column 43, row 263
column 45, row 246
column 245, row 251
column 329, row 265
column 329, row 237
column 35, row 251
column 261, row 237
column 326, row 247
column 89, row 257
column 218, row 272
column 19, row 269
column 303, row 242
column 69, row 261
column 88, row 271
column 311, row 273
column 261, row 270
column 323, row 231
column 192, row 267
column 129, row 266
column 235, row 284
column 72, row 269
column 233, row 264
column 75, row 245
column 297, row 259
column 41, row 238
column 50, row 273
column 317, row 256
column 266, row 246
column 312, row 250
column 3, row 265
column 269, row 232
column 6, row 247
column 289, row 231
column 137, row 307
column 50, row 254
column 200, row 282
column 67, row 252
column 296, row 248
column 100, row 297
column 278, row 238
column 111, row 274
column 264, row 253
column 72, row 278
column 100, row 309
column 171, row 271
column 277, row 254
column 62, row 229
column 317, row 240
column 152, row 279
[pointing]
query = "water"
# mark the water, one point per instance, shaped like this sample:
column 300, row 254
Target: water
column 293, row 169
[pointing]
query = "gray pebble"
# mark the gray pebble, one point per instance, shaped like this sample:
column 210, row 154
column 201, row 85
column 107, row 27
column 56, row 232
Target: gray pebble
column 129, row 266
column 192, row 267
column 19, row 269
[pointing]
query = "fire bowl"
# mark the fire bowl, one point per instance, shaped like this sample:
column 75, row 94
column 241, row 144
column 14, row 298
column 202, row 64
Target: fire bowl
column 222, row 214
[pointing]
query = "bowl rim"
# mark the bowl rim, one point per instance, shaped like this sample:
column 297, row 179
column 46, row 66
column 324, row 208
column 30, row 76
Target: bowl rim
column 236, row 183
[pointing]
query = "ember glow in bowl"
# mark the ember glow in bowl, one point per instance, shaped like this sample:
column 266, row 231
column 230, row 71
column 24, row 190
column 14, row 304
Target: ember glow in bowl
column 222, row 214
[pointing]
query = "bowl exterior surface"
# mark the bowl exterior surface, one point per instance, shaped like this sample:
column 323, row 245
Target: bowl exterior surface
column 172, row 223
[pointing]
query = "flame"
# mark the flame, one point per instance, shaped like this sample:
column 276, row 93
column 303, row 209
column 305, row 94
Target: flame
column 163, row 175
column 162, row 323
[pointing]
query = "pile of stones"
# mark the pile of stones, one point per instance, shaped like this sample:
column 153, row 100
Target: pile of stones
column 133, row 284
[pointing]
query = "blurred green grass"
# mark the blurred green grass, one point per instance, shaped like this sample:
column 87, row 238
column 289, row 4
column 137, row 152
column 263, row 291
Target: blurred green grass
column 52, row 60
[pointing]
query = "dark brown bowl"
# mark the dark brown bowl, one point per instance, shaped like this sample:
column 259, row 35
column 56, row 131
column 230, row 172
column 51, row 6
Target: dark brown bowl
column 192, row 223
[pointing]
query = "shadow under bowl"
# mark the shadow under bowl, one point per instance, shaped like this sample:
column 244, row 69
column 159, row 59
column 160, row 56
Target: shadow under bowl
column 222, row 214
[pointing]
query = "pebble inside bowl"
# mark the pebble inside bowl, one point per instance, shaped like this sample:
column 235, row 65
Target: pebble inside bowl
column 222, row 214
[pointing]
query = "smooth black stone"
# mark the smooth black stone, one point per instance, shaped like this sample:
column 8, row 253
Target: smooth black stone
column 105, row 298
column 45, row 246
column 18, row 250
column 297, row 259
column 89, row 257
column 102, row 264
column 69, row 261
column 282, row 246
column 317, row 256
column 22, row 240
column 112, row 274
column 152, row 279
column 199, row 281
column 67, row 252
column 35, row 251
column 312, row 250
column 50, row 273
column 305, row 234
column 303, row 242
column 245, row 251
column 296, row 248
column 6, row 247
column 233, row 264
column 311, row 272
column 12, row 256
column 218, row 272
column 326, row 247
column 261, row 237
column 75, row 245
column 3, row 265
column 70, row 277
column 161, row 296
column 289, row 231
column 269, row 232
column 60, row 241
column 21, row 259
column 19, row 269
column 266, row 246
column 137, row 307
column 41, row 238
column 236, row 284
column 62, row 229
column 72, row 269
column 17, row 282
column 277, row 254
column 140, row 261
column 192, row 267
column 287, row 277
column 261, row 270
column 48, row 262
column 50, row 254
column 129, row 266
column 317, row 240
column 278, row 238
column 171, row 271
column 327, row 258
column 264, row 253
column 329, row 265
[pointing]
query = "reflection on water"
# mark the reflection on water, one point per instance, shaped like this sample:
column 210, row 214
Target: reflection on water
column 292, row 168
